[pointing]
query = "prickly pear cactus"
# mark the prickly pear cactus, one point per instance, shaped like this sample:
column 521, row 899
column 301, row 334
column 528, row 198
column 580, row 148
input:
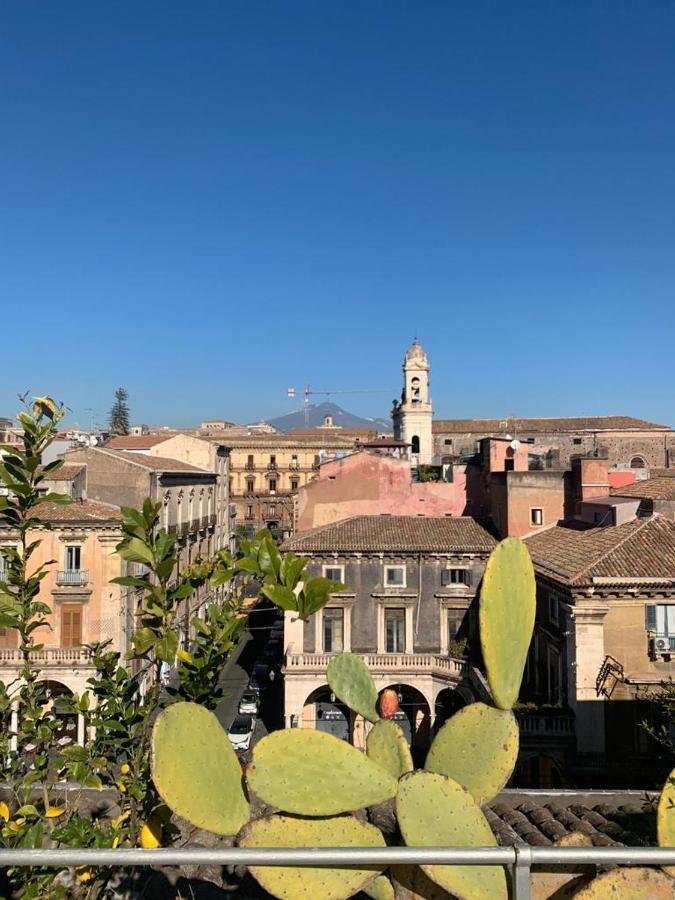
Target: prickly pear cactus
column 291, row 883
column 411, row 883
column 350, row 680
column 435, row 811
column 315, row 774
column 506, row 615
column 629, row 884
column 380, row 889
column 665, row 818
column 195, row 769
column 386, row 745
column 478, row 748
column 562, row 882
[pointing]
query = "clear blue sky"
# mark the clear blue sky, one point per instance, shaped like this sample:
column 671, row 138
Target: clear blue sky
column 207, row 202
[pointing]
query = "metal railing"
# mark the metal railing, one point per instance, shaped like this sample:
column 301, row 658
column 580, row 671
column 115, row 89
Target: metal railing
column 519, row 860
column 72, row 576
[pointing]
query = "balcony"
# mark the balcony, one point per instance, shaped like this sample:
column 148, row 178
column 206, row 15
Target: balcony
column 72, row 577
column 385, row 663
column 47, row 657
column 249, row 467
column 272, row 466
column 543, row 725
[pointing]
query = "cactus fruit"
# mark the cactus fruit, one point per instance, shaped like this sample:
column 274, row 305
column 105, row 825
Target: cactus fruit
column 296, row 883
column 506, row 616
column 380, row 889
column 195, row 769
column 665, row 818
column 435, row 811
column 478, row 748
column 629, row 884
column 350, row 680
column 312, row 773
column 386, row 745
column 388, row 703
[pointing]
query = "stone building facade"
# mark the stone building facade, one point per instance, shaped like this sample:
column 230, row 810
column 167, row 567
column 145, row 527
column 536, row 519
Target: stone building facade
column 85, row 606
column 605, row 634
column 408, row 609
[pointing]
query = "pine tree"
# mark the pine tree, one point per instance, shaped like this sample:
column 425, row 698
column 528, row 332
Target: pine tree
column 119, row 414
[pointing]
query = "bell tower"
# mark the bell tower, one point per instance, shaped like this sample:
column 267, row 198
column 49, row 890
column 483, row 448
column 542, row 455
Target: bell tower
column 412, row 415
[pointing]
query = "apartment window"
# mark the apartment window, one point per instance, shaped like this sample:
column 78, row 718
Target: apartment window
column 250, row 485
column 334, row 573
column 455, row 576
column 294, row 484
column 317, row 459
column 394, row 576
column 273, row 460
column 553, row 608
column 273, row 485
column 448, row 442
column 394, row 631
column 71, row 625
column 294, row 461
column 537, row 516
column 660, row 618
column 249, row 512
column 576, row 441
column 249, row 461
column 73, row 556
column 455, row 619
column 333, row 630
column 273, row 509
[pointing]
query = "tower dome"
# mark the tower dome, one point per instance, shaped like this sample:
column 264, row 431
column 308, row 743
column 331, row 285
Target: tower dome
column 415, row 351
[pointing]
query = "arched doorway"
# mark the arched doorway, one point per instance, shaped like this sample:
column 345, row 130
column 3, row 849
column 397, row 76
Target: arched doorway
column 414, row 718
column 415, row 448
column 637, row 462
column 59, row 697
column 323, row 711
column 448, row 702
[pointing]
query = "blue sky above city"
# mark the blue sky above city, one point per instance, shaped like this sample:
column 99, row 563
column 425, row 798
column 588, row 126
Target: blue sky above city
column 210, row 202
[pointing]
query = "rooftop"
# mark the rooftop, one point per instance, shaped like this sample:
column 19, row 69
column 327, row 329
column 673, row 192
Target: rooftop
column 326, row 439
column 577, row 556
column 400, row 534
column 153, row 463
column 515, row 426
column 659, row 488
column 82, row 511
column 66, row 473
column 136, row 441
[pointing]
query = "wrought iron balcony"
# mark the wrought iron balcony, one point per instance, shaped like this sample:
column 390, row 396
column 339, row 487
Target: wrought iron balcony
column 72, row 577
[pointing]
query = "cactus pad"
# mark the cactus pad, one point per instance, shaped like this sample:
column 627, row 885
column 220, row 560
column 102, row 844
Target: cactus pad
column 411, row 883
column 629, row 884
column 380, row 889
column 506, row 616
column 312, row 773
column 350, row 680
column 296, row 883
column 435, row 811
column 478, row 748
column 665, row 817
column 386, row 745
column 195, row 769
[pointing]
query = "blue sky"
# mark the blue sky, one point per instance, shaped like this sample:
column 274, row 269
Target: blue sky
column 208, row 202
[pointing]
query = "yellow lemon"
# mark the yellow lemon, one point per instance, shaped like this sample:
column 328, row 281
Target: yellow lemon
column 151, row 833
column 121, row 787
column 4, row 811
column 53, row 812
column 184, row 656
column 83, row 873
column 125, row 769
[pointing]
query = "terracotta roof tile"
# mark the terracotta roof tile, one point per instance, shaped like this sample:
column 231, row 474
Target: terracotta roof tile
column 402, row 534
column 662, row 488
column 78, row 511
column 643, row 548
column 154, row 463
column 515, row 426
column 136, row 441
column 66, row 473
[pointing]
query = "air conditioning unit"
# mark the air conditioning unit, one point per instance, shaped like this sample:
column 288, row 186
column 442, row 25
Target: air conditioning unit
column 661, row 646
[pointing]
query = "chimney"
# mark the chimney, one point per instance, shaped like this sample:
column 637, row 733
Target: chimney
column 590, row 477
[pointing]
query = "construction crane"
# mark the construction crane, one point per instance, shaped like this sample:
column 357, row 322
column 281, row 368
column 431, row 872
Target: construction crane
column 308, row 392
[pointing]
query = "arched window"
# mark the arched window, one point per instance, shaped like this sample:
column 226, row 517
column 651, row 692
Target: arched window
column 415, row 388
column 637, row 462
column 415, row 444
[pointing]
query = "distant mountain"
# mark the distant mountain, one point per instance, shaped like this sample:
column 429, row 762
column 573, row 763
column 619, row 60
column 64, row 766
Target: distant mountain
column 317, row 414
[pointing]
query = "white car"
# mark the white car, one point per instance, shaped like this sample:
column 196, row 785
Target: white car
column 241, row 731
column 249, row 704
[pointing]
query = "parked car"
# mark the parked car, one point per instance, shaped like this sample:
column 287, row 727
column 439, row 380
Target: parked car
column 241, row 731
column 249, row 704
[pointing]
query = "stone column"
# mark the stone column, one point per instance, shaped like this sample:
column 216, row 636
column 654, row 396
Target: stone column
column 586, row 658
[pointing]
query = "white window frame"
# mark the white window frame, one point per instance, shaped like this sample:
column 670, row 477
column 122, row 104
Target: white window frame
column 388, row 567
column 533, row 510
column 346, row 627
column 381, row 635
column 332, row 566
column 456, row 584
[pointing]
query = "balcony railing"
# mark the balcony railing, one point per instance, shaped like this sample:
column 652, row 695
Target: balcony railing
column 72, row 577
column 272, row 466
column 519, row 859
column 425, row 663
column 543, row 725
column 48, row 656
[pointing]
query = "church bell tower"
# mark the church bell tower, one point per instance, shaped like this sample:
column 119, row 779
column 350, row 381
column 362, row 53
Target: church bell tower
column 413, row 414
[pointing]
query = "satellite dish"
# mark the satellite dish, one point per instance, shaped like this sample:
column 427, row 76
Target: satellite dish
column 93, row 441
column 515, row 444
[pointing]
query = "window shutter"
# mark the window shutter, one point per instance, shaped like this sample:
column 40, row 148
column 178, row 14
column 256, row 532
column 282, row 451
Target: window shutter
column 650, row 616
column 468, row 577
column 445, row 577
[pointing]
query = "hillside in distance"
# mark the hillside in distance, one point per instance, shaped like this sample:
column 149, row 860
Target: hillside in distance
column 318, row 413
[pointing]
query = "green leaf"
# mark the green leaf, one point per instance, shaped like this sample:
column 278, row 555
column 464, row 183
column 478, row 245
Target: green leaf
column 291, row 568
column 316, row 593
column 134, row 550
column 281, row 596
column 130, row 581
column 166, row 646
column 144, row 639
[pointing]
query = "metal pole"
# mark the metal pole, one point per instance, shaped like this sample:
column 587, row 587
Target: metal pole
column 520, row 873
